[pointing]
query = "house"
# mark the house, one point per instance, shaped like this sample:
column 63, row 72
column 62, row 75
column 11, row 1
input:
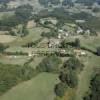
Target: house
column 53, row 43
column 79, row 52
column 79, row 30
column 62, row 34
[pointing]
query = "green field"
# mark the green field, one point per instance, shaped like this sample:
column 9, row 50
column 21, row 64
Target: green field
column 34, row 34
column 19, row 60
column 39, row 88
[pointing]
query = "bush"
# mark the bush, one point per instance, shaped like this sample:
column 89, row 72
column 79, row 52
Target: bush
column 52, row 33
column 98, row 51
column 49, row 64
column 69, row 78
column 95, row 88
column 2, row 48
column 60, row 89
column 73, row 64
column 11, row 75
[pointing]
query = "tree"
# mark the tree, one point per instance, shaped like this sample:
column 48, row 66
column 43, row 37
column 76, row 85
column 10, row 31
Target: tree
column 67, row 3
column 60, row 89
column 70, row 78
column 2, row 48
column 24, row 31
column 49, row 64
column 77, row 43
column 46, row 2
column 98, row 51
column 64, row 44
column 23, row 12
column 55, row 2
column 86, row 2
column 95, row 88
column 73, row 64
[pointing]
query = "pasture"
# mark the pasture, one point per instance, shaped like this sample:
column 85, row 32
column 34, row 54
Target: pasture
column 16, row 60
column 34, row 34
column 39, row 88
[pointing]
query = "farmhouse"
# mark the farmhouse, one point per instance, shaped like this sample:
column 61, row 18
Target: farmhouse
column 62, row 34
column 79, row 52
column 79, row 30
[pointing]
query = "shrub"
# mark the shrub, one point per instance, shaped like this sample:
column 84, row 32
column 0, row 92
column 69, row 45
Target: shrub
column 60, row 89
column 11, row 75
column 49, row 64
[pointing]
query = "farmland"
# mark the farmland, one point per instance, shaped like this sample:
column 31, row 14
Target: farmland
column 49, row 50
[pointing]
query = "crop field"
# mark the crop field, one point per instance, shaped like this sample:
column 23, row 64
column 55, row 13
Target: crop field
column 39, row 88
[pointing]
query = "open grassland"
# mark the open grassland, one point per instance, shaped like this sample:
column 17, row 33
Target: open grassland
column 39, row 88
column 7, row 38
column 19, row 60
column 34, row 34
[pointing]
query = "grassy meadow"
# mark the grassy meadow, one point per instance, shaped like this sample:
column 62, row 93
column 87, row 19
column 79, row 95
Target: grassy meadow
column 39, row 88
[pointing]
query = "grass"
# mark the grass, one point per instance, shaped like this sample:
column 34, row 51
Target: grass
column 34, row 34
column 28, row 50
column 19, row 60
column 91, row 43
column 7, row 38
column 39, row 88
column 91, row 62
